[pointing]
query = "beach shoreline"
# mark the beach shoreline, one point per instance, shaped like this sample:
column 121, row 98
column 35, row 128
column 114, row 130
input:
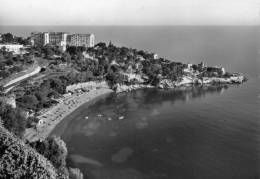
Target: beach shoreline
column 48, row 120
column 51, row 117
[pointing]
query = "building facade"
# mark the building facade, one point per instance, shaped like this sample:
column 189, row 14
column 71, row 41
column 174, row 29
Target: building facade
column 62, row 39
column 49, row 38
column 37, row 39
column 56, row 38
column 86, row 40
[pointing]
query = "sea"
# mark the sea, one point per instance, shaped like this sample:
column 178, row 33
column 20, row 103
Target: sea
column 200, row 132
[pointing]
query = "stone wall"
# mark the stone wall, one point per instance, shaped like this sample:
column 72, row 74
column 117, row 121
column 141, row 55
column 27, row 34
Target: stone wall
column 87, row 86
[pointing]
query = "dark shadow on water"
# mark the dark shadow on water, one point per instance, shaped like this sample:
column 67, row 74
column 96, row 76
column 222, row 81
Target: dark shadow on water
column 143, row 97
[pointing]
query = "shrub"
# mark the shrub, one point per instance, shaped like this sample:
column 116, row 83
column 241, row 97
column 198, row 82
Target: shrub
column 54, row 149
column 17, row 160
column 12, row 119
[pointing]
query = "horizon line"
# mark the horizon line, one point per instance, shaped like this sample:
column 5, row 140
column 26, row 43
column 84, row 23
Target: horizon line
column 165, row 25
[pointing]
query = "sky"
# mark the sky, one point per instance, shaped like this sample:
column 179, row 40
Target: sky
column 129, row 12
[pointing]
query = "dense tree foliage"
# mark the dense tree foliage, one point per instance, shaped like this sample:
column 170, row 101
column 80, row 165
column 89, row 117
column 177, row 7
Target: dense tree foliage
column 17, row 160
column 55, row 150
column 10, row 38
column 42, row 96
column 139, row 61
column 73, row 50
column 13, row 119
column 10, row 63
column 7, row 38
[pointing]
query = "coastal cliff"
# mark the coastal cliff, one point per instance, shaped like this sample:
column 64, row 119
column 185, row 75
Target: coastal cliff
column 184, row 81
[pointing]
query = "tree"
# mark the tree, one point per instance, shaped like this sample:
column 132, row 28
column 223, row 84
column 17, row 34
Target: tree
column 28, row 101
column 101, row 45
column 56, row 84
column 101, row 70
column 13, row 119
column 22, row 40
column 18, row 160
column 156, row 69
column 54, row 149
column 28, row 59
column 111, row 45
column 48, row 51
column 195, row 67
column 7, row 38
column 66, row 57
column 9, row 62
column 4, row 74
column 72, row 50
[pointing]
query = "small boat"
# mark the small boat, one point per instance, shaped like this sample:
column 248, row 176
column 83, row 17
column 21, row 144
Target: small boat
column 86, row 117
column 121, row 117
column 99, row 115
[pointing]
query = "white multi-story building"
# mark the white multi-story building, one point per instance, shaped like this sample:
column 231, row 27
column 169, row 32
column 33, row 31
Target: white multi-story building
column 46, row 39
column 57, row 38
column 51, row 38
column 86, row 40
column 62, row 39
column 16, row 48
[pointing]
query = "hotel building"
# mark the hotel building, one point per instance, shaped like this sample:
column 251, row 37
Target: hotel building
column 57, row 38
column 51, row 38
column 62, row 39
column 86, row 40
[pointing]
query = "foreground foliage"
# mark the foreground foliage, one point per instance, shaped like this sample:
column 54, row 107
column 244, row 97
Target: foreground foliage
column 12, row 119
column 55, row 150
column 17, row 160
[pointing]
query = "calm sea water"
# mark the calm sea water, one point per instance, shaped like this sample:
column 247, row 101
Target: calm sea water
column 198, row 132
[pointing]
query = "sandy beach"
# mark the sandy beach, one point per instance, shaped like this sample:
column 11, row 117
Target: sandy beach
column 51, row 117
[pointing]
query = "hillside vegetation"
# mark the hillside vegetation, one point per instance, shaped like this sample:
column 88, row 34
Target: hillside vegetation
column 18, row 160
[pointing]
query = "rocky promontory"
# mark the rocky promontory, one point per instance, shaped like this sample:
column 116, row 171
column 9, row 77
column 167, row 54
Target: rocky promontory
column 183, row 81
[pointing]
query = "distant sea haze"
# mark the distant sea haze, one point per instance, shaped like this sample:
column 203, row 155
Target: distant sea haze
column 234, row 47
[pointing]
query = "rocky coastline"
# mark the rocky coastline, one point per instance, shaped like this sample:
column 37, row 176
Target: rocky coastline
column 185, row 81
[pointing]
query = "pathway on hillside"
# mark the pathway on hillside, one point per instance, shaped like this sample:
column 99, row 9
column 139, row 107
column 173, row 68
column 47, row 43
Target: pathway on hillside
column 14, row 80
